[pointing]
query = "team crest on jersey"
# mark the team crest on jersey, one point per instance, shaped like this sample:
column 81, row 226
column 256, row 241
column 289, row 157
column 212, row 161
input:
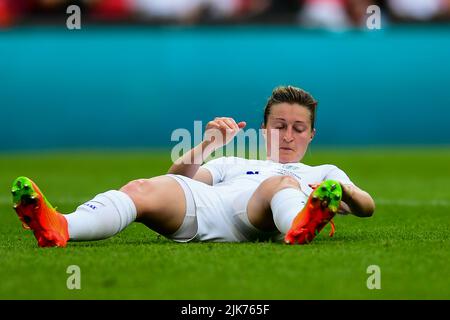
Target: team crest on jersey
column 290, row 167
column 285, row 172
column 289, row 170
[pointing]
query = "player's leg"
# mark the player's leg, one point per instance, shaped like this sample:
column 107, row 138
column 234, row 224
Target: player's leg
column 279, row 202
column 322, row 205
column 275, row 203
column 158, row 202
column 36, row 213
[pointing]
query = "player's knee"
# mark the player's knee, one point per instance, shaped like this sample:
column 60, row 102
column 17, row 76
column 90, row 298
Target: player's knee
column 272, row 185
column 142, row 192
column 138, row 188
column 279, row 183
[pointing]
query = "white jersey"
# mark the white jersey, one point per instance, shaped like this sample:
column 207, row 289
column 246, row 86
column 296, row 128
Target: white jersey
column 238, row 172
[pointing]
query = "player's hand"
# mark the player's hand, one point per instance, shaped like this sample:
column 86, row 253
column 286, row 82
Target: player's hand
column 221, row 131
column 313, row 185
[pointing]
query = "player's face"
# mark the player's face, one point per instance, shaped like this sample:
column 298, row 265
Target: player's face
column 292, row 122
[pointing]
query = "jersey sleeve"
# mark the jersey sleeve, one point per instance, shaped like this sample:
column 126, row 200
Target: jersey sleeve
column 217, row 168
column 337, row 174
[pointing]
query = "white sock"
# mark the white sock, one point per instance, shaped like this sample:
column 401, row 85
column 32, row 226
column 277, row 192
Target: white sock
column 285, row 205
column 102, row 217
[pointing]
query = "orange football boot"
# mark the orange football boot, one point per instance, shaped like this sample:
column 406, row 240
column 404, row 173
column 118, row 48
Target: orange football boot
column 321, row 207
column 36, row 213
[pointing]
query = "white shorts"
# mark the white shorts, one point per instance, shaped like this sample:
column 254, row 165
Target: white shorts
column 217, row 213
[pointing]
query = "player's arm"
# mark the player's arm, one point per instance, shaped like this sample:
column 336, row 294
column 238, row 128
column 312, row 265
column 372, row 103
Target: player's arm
column 218, row 133
column 189, row 164
column 356, row 201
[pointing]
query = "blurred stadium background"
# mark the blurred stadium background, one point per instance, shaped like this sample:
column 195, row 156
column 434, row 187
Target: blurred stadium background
column 327, row 13
column 139, row 69
column 112, row 83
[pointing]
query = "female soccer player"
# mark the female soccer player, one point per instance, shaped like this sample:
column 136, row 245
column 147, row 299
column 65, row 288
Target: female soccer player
column 228, row 199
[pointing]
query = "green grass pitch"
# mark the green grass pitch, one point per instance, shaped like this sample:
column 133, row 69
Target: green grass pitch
column 408, row 237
